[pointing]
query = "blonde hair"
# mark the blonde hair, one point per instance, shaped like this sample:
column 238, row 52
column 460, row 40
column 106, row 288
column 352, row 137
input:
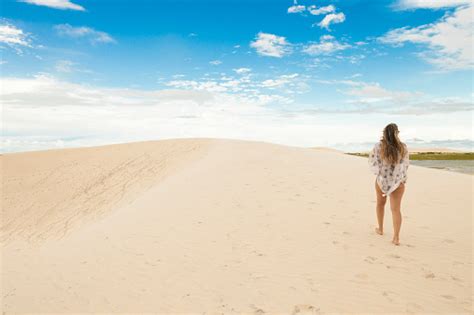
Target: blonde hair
column 392, row 149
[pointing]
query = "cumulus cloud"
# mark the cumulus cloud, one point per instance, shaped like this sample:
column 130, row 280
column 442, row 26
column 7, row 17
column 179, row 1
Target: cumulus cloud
column 321, row 10
column 371, row 97
column 43, row 112
column 242, row 70
column 215, row 62
column 280, row 81
column 429, row 4
column 271, row 45
column 84, row 32
column 296, row 9
column 56, row 4
column 373, row 93
column 47, row 91
column 449, row 40
column 65, row 66
column 326, row 46
column 332, row 18
column 68, row 66
column 13, row 37
column 245, row 87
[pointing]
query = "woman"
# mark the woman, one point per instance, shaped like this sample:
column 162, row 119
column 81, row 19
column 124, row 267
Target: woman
column 389, row 160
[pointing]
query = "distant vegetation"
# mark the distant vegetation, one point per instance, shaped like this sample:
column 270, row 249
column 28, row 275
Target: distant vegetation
column 433, row 155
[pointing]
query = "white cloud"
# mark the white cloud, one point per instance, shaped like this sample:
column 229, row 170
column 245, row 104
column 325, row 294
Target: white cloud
column 242, row 70
column 215, row 62
column 296, row 9
column 429, row 4
column 65, row 66
column 449, row 40
column 371, row 97
column 280, row 81
column 43, row 112
column 327, row 45
column 332, row 18
column 271, row 45
column 211, row 86
column 13, row 37
column 84, row 32
column 56, row 4
column 245, row 87
column 322, row 10
column 373, row 93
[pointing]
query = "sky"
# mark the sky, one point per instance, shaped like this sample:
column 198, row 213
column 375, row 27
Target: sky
column 309, row 73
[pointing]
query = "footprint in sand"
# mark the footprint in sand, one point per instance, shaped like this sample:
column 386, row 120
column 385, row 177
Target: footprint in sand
column 430, row 275
column 302, row 309
column 362, row 276
column 257, row 310
column 389, row 295
column 394, row 256
column 257, row 276
column 370, row 259
column 413, row 307
column 448, row 297
column 257, row 253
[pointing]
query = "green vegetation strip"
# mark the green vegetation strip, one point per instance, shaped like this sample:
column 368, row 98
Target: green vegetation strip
column 433, row 155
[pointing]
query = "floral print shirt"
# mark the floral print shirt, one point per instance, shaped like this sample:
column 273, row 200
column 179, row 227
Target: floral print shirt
column 389, row 176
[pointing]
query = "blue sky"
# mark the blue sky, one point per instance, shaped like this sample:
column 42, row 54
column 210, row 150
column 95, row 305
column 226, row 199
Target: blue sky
column 304, row 73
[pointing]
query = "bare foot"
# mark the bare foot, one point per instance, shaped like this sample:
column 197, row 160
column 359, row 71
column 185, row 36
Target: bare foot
column 396, row 241
column 379, row 231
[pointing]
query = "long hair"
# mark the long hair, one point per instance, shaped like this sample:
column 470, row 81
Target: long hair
column 392, row 149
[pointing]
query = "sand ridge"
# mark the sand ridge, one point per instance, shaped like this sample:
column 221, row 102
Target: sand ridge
column 46, row 193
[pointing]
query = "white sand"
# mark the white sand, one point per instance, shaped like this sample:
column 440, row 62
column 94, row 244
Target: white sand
column 187, row 226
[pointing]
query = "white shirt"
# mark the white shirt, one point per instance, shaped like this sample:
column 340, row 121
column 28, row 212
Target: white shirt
column 389, row 176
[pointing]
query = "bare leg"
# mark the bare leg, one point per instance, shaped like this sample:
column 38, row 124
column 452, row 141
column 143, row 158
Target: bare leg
column 395, row 205
column 380, row 208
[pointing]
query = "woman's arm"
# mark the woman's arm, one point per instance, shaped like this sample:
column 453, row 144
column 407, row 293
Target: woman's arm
column 374, row 158
column 406, row 158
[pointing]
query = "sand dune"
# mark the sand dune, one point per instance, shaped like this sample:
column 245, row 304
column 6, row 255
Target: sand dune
column 187, row 226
